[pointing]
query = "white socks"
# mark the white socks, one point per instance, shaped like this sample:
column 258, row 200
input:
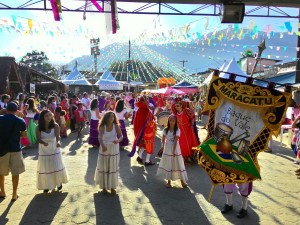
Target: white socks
column 148, row 158
column 244, row 202
column 141, row 152
column 228, row 199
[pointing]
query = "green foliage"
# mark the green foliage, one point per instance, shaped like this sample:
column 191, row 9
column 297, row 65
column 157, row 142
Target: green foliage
column 247, row 53
column 39, row 61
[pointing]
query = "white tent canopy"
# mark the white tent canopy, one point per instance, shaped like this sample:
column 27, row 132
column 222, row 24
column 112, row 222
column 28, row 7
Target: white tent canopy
column 108, row 82
column 76, row 78
column 75, row 75
column 208, row 79
column 233, row 67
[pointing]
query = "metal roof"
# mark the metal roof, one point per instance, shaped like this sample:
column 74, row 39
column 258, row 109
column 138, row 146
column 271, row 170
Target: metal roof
column 275, row 8
column 278, row 3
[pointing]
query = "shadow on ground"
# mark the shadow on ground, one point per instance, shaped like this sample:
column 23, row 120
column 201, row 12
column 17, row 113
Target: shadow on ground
column 108, row 209
column 43, row 208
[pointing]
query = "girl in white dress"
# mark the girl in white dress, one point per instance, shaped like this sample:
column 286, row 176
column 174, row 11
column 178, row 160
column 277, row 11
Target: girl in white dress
column 110, row 135
column 51, row 171
column 171, row 165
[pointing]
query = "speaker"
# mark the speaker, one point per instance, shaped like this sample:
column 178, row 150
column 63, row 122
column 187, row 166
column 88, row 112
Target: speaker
column 233, row 13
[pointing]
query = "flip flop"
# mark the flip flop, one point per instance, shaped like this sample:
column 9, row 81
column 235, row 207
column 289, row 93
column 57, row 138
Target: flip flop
column 3, row 197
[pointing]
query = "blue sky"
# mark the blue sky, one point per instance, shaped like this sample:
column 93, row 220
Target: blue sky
column 64, row 47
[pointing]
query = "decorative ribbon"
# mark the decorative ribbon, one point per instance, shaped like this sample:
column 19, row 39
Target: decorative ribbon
column 55, row 10
column 113, row 16
column 97, row 5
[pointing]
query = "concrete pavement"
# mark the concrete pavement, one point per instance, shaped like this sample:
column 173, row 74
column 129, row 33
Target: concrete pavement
column 142, row 197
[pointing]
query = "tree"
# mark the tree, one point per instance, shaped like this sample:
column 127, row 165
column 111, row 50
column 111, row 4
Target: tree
column 39, row 61
column 247, row 53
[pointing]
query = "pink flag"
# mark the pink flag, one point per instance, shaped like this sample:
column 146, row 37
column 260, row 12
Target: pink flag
column 97, row 5
column 55, row 10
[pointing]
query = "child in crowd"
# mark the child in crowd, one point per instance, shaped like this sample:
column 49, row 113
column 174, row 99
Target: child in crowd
column 171, row 165
column 57, row 115
column 107, row 171
column 80, row 119
column 63, row 127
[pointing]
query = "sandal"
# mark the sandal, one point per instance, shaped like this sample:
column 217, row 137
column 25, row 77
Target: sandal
column 113, row 192
column 168, row 185
column 184, row 185
column 104, row 191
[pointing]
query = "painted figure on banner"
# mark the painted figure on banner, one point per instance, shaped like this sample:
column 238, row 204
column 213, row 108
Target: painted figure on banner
column 243, row 117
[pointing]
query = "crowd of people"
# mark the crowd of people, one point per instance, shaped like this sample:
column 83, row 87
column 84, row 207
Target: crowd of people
column 29, row 120
column 46, row 121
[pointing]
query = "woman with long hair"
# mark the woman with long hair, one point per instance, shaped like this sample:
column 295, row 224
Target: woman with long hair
column 51, row 171
column 51, row 104
column 122, row 115
column 95, row 117
column 110, row 135
column 171, row 165
column 31, row 112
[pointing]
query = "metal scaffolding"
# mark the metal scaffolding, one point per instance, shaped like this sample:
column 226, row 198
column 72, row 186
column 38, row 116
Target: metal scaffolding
column 152, row 8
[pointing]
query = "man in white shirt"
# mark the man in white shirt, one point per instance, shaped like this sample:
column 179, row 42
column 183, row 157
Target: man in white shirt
column 86, row 101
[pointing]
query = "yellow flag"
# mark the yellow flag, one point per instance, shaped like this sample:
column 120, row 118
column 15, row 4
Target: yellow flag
column 29, row 24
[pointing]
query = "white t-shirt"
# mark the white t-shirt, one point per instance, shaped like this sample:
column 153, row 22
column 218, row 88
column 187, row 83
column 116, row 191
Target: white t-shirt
column 170, row 136
column 86, row 101
column 93, row 115
column 121, row 115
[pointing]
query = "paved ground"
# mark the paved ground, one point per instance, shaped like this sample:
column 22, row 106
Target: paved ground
column 142, row 197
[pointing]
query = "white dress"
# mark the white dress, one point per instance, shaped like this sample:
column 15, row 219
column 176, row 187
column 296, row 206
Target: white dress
column 107, row 171
column 172, row 167
column 51, row 171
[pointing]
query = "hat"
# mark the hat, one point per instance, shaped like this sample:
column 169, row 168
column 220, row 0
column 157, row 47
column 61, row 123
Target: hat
column 102, row 93
column 12, row 107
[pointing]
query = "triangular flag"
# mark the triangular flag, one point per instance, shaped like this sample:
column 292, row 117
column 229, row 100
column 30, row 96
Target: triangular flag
column 29, row 24
column 14, row 19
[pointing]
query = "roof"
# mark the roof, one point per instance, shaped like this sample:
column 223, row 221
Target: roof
column 42, row 77
column 107, row 75
column 108, row 82
column 275, row 60
column 233, row 67
column 75, row 75
column 288, row 78
column 284, row 3
column 184, row 84
column 10, row 78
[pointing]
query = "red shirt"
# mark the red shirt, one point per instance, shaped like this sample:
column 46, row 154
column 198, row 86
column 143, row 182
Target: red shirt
column 80, row 116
